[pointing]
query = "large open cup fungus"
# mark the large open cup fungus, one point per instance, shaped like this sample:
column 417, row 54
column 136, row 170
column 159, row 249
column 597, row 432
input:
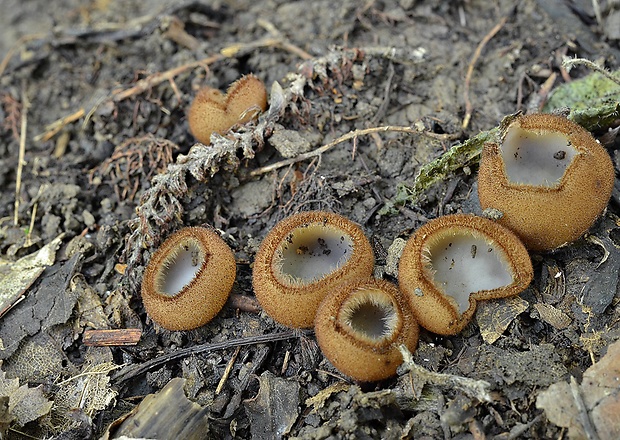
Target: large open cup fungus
column 360, row 325
column 549, row 178
column 304, row 257
column 453, row 261
column 188, row 279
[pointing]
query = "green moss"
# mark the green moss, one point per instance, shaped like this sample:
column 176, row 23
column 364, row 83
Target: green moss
column 593, row 90
column 594, row 101
column 442, row 168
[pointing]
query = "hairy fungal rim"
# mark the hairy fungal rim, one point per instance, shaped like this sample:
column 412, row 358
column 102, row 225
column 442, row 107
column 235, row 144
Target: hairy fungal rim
column 360, row 356
column 552, row 213
column 437, row 308
column 206, row 269
column 283, row 277
column 360, row 312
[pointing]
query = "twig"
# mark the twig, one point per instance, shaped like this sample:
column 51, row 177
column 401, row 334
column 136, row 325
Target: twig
column 478, row 389
column 350, row 135
column 228, row 52
column 157, row 78
column 470, row 69
column 584, row 417
column 33, row 217
column 568, row 63
column 234, row 49
column 287, row 357
column 119, row 95
column 17, row 45
column 22, row 154
column 112, row 338
column 101, row 369
column 132, row 371
column 227, row 371
column 284, row 42
column 56, row 126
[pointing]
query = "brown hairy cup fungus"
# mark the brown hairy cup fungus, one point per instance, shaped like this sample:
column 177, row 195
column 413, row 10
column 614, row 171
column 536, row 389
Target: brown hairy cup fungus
column 188, row 279
column 549, row 177
column 455, row 260
column 360, row 325
column 304, row 257
column 213, row 112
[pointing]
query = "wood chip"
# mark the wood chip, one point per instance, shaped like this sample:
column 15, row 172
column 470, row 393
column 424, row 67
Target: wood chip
column 107, row 338
column 554, row 316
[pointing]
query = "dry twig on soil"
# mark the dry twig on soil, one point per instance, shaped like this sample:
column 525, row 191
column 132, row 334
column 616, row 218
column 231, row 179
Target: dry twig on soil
column 470, row 69
column 135, row 370
column 351, row 135
column 109, row 338
column 22, row 153
column 478, row 389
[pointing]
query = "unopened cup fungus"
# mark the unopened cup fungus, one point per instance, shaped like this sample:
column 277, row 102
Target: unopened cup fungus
column 360, row 325
column 188, row 279
column 212, row 111
column 549, row 178
column 304, row 257
column 454, row 261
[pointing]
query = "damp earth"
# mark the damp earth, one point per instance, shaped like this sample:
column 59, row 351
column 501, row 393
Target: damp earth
column 377, row 111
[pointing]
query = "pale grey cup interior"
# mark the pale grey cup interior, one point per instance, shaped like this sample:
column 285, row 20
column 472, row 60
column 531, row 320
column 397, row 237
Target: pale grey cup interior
column 464, row 264
column 536, row 159
column 312, row 252
column 181, row 268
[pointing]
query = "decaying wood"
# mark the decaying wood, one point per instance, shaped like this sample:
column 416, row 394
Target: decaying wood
column 109, row 338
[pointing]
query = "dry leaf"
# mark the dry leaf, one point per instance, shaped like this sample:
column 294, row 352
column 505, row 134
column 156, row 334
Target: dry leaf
column 552, row 315
column 38, row 359
column 89, row 390
column 49, row 303
column 275, row 409
column 592, row 408
column 25, row 404
column 494, row 316
column 17, row 276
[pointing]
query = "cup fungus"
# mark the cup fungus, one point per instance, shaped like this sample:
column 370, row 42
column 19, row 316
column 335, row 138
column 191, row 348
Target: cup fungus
column 304, row 257
column 360, row 325
column 455, row 260
column 213, row 112
column 549, row 177
column 188, row 279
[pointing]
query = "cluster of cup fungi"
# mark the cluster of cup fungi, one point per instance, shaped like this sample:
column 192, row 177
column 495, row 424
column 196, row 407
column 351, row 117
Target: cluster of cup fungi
column 548, row 177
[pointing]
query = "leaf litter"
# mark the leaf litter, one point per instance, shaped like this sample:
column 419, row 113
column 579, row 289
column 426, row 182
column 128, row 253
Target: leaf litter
column 481, row 382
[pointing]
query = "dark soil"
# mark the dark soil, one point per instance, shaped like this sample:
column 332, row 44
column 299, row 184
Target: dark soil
column 101, row 124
